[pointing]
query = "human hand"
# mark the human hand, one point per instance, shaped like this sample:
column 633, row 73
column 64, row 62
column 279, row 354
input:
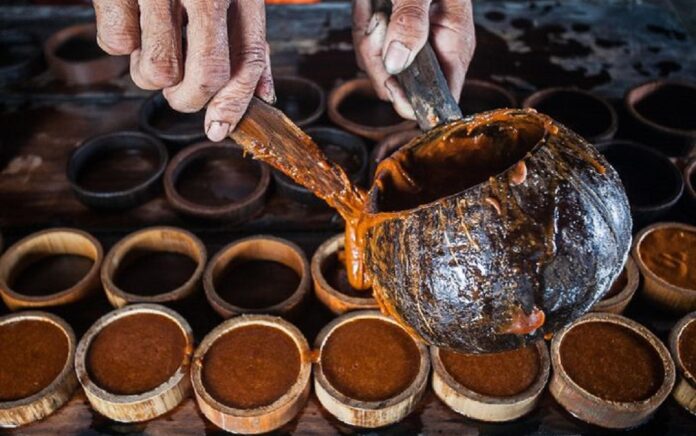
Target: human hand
column 385, row 47
column 225, row 63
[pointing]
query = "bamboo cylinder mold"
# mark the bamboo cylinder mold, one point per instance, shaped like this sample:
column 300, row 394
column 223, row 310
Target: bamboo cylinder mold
column 133, row 363
column 331, row 282
column 354, row 106
column 370, row 371
column 37, row 375
column 153, row 265
column 665, row 253
column 682, row 344
column 610, row 371
column 494, row 387
column 216, row 181
column 260, row 274
column 621, row 291
column 50, row 268
column 251, row 374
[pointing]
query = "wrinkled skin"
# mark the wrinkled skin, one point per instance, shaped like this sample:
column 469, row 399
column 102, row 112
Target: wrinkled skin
column 456, row 271
column 227, row 60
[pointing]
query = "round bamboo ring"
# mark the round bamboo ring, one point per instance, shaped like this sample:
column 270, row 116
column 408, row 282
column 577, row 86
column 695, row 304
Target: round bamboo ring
column 375, row 133
column 608, row 129
column 260, row 247
column 484, row 96
column 169, row 239
column 595, row 410
column 485, row 407
column 338, row 302
column 50, row 242
column 368, row 414
column 147, row 405
column 291, row 89
column 261, row 419
column 655, row 288
column 232, row 212
column 85, row 72
column 685, row 389
column 53, row 396
column 617, row 303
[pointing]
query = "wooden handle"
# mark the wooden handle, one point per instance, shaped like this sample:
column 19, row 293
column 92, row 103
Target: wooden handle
column 271, row 137
column 425, row 84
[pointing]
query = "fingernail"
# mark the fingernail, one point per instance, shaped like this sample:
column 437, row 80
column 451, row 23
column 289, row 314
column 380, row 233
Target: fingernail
column 218, row 130
column 397, row 57
column 372, row 25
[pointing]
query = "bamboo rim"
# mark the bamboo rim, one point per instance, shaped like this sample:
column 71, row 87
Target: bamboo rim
column 165, row 240
column 617, row 303
column 260, row 419
column 55, row 394
column 593, row 409
column 335, row 300
column 680, row 299
column 685, row 392
column 368, row 414
column 376, row 133
column 472, row 404
column 146, row 405
column 260, row 247
column 61, row 240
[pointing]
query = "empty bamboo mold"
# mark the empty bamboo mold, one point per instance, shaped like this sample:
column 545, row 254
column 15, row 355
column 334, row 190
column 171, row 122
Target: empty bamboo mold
column 174, row 128
column 133, row 363
column 481, row 96
column 260, row 274
column 22, row 56
column 50, row 268
column 653, row 183
column 117, row 170
column 37, row 375
column 665, row 114
column 494, row 387
column 216, row 181
column 74, row 57
column 585, row 113
column 682, row 344
column 331, row 281
column 370, row 371
column 340, row 147
column 153, row 265
column 621, row 291
column 610, row 371
column 302, row 100
column 666, row 256
column 354, row 105
column 251, row 374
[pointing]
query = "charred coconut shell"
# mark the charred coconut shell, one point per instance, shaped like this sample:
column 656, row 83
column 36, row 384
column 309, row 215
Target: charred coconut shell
column 476, row 227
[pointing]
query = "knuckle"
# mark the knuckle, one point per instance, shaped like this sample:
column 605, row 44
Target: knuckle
column 411, row 17
column 117, row 44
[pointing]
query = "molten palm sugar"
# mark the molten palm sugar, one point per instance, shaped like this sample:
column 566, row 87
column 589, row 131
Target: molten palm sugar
column 149, row 272
column 687, row 348
column 334, row 270
column 498, row 374
column 51, row 274
column 33, row 354
column 370, row 359
column 255, row 284
column 136, row 353
column 611, row 361
column 251, row 366
column 670, row 253
column 618, row 285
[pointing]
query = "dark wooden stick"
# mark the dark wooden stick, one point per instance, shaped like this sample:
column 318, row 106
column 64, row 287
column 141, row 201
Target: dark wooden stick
column 271, row 137
column 425, row 84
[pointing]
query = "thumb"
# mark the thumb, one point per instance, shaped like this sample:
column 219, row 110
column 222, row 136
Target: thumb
column 407, row 33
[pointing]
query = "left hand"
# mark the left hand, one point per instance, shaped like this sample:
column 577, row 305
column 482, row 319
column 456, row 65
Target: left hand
column 384, row 49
